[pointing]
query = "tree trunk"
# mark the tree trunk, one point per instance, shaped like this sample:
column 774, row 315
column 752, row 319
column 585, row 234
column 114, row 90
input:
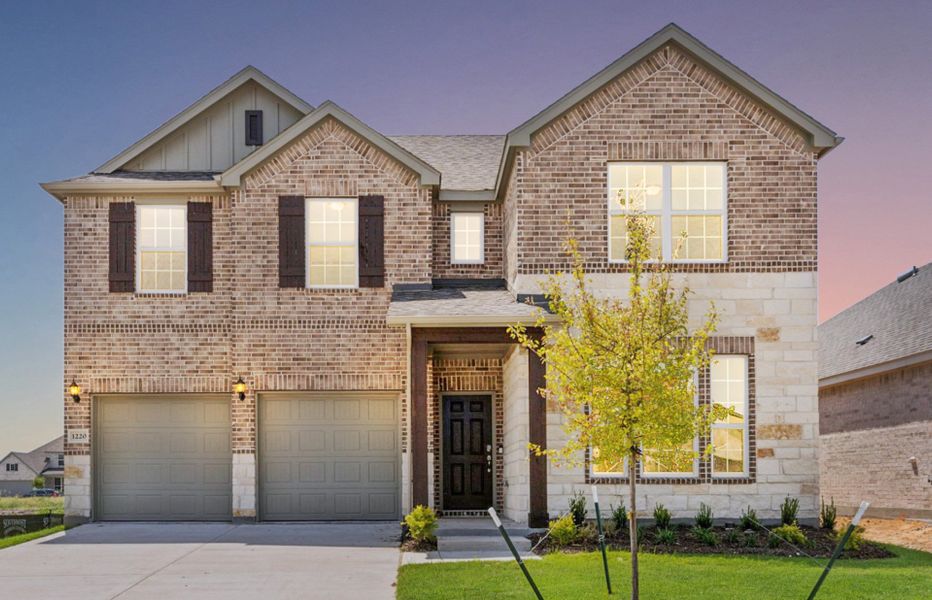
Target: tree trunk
column 633, row 526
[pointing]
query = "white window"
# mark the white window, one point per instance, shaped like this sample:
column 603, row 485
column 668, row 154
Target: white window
column 12, row 467
column 467, row 233
column 680, row 198
column 669, row 464
column 728, row 381
column 162, row 248
column 599, row 466
column 332, row 239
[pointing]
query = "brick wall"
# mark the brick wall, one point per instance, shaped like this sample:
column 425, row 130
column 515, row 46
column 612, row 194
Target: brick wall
column 490, row 268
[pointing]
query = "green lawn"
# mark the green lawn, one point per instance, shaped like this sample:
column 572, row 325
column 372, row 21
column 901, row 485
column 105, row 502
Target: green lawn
column 56, row 505
column 666, row 577
column 25, row 537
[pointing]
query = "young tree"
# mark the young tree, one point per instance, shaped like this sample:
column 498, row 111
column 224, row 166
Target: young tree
column 38, row 482
column 622, row 371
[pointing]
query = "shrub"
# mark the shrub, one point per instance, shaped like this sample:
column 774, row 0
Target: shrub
column 750, row 539
column 788, row 511
column 855, row 541
column 620, row 517
column 731, row 536
column 828, row 514
column 748, row 519
column 704, row 516
column 578, row 508
column 705, row 535
column 422, row 523
column 38, row 482
column 562, row 531
column 665, row 536
column 587, row 533
column 790, row 533
column 661, row 516
column 609, row 528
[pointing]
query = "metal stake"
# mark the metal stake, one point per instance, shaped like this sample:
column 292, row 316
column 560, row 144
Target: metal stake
column 514, row 551
column 839, row 548
column 598, row 520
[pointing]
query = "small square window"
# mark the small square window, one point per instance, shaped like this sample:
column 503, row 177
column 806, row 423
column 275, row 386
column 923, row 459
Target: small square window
column 467, row 237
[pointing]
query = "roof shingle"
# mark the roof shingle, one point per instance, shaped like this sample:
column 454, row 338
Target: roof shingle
column 466, row 162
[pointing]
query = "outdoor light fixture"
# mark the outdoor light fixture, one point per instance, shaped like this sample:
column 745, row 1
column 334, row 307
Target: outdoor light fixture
column 75, row 390
column 240, row 388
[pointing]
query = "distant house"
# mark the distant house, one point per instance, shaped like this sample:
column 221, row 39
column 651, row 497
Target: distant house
column 19, row 469
column 875, row 400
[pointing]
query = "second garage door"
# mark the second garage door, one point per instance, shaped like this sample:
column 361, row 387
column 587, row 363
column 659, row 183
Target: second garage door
column 329, row 457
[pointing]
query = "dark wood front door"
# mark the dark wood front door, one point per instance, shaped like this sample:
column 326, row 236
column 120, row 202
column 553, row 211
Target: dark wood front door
column 467, row 452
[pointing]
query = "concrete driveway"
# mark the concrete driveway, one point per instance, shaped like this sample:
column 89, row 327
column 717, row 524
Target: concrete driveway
column 206, row 560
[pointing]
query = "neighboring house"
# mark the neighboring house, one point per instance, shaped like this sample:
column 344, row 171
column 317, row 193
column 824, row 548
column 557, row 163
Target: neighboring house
column 875, row 400
column 18, row 470
column 361, row 286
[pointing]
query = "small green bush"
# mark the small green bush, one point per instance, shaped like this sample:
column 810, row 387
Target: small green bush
column 704, row 516
column 705, row 535
column 422, row 523
column 856, row 540
column 750, row 539
column 578, row 508
column 661, row 516
column 38, row 482
column 620, row 517
column 665, row 536
column 587, row 533
column 731, row 536
column 790, row 533
column 748, row 519
column 789, row 510
column 828, row 515
column 562, row 531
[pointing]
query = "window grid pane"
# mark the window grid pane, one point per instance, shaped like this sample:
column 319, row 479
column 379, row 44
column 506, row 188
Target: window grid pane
column 703, row 239
column 619, row 235
column 466, row 236
column 331, row 237
column 728, row 388
column 162, row 241
column 667, row 462
column 605, row 467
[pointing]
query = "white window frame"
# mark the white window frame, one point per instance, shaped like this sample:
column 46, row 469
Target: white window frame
column 595, row 474
column 453, row 259
column 666, row 212
column 746, row 459
column 12, row 467
column 684, row 475
column 139, row 249
column 307, row 241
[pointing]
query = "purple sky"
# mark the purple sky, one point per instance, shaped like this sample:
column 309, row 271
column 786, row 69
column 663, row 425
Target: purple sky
column 83, row 80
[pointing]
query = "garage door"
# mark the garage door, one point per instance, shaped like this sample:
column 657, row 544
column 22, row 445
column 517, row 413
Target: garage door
column 329, row 457
column 163, row 458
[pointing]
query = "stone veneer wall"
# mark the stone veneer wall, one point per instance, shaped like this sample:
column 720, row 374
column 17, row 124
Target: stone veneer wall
column 515, row 438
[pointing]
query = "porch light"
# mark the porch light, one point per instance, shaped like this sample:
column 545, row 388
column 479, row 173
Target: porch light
column 240, row 388
column 75, row 390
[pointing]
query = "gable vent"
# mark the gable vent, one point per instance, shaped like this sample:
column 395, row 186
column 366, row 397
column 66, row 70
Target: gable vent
column 864, row 339
column 253, row 127
column 904, row 276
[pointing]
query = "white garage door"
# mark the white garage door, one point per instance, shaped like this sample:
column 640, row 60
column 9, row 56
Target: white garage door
column 329, row 457
column 163, row 458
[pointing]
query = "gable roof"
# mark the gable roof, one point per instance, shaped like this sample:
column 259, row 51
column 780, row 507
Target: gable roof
column 898, row 318
column 820, row 136
column 466, row 162
column 35, row 459
column 428, row 174
column 190, row 113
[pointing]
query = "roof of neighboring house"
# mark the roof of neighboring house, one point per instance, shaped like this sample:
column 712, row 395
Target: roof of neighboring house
column 35, row 459
column 467, row 162
column 898, row 317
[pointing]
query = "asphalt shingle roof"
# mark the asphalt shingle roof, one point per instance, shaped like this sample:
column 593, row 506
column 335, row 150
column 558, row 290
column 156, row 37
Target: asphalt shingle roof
column 466, row 303
column 133, row 176
column 466, row 162
column 899, row 316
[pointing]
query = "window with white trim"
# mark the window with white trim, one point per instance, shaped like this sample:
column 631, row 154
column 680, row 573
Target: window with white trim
column 162, row 248
column 728, row 387
column 467, row 237
column 12, row 467
column 332, row 243
column 601, row 467
column 680, row 198
column 669, row 463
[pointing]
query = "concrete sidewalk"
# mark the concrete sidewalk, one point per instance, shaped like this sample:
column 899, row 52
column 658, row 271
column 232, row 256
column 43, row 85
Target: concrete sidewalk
column 206, row 560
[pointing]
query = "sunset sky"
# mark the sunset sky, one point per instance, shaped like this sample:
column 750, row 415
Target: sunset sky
column 84, row 80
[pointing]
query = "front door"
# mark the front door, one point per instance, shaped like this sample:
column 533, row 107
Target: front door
column 467, row 452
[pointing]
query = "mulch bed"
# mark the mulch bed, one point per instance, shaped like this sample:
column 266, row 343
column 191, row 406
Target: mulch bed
column 731, row 541
column 409, row 545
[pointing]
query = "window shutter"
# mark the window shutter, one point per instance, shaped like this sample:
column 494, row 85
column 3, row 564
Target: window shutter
column 371, row 241
column 122, row 246
column 291, row 242
column 200, row 247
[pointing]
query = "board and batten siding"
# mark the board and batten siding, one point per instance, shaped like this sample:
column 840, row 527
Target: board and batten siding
column 216, row 139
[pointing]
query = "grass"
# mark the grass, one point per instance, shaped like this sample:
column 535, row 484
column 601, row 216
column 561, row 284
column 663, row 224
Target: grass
column 907, row 576
column 40, row 505
column 25, row 537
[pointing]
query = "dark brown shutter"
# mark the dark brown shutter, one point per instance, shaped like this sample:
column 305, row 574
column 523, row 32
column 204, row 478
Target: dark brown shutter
column 122, row 246
column 291, row 242
column 371, row 241
column 200, row 247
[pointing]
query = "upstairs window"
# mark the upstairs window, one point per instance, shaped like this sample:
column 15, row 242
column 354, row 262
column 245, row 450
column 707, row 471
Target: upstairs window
column 679, row 198
column 728, row 380
column 11, row 467
column 467, row 233
column 162, row 248
column 332, row 243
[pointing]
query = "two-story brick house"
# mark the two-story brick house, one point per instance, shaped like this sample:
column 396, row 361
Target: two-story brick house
column 361, row 285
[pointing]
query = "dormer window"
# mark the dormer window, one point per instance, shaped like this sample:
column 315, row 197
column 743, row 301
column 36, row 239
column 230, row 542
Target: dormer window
column 467, row 238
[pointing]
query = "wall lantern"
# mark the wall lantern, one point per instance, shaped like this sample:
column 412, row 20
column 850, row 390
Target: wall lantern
column 240, row 388
column 75, row 390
